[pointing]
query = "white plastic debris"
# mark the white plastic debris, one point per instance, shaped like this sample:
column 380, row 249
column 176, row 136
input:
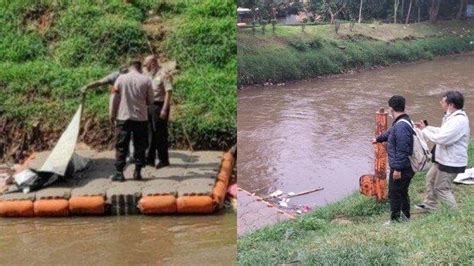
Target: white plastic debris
column 283, row 204
column 276, row 194
column 291, row 193
column 24, row 176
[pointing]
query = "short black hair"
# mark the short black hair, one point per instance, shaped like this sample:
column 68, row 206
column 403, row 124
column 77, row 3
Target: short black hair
column 397, row 102
column 136, row 63
column 454, row 97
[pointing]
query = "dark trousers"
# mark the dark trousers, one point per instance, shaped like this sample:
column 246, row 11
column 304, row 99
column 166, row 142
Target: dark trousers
column 398, row 194
column 126, row 130
column 158, row 134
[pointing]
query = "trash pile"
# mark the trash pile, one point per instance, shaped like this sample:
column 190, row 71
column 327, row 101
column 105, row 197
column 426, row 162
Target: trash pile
column 61, row 163
column 281, row 199
column 27, row 178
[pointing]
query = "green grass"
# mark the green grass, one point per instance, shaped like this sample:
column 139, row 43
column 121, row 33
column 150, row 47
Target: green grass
column 442, row 237
column 43, row 65
column 290, row 54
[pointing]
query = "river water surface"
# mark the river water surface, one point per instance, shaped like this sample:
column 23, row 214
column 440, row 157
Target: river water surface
column 317, row 133
column 176, row 240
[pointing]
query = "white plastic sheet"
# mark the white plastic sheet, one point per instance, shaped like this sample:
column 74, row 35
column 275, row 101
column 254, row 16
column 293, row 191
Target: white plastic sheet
column 59, row 158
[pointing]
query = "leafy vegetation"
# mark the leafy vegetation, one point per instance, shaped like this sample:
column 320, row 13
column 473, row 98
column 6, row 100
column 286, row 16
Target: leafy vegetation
column 320, row 11
column 290, row 54
column 49, row 49
column 441, row 237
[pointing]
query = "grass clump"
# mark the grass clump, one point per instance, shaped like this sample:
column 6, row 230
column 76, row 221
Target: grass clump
column 203, row 41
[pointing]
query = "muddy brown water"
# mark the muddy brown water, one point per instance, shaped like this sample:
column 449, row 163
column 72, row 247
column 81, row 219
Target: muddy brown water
column 317, row 133
column 173, row 240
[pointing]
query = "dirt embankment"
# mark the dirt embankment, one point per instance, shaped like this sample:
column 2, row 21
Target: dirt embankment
column 19, row 140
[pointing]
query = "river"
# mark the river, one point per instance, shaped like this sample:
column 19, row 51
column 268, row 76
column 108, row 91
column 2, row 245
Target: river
column 316, row 133
column 132, row 240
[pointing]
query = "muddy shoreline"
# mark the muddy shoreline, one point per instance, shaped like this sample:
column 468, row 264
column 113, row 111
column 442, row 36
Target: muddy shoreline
column 358, row 70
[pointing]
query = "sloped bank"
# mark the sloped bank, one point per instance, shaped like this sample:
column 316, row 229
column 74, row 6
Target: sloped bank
column 50, row 49
column 351, row 231
column 290, row 54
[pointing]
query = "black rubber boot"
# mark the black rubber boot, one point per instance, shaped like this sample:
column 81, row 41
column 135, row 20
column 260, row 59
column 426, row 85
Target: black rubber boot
column 161, row 165
column 118, row 176
column 137, row 175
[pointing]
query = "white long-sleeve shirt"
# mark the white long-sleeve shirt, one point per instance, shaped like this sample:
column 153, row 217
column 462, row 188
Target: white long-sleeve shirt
column 451, row 139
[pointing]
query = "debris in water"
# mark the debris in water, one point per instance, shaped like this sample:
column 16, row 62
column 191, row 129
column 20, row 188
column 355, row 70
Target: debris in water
column 305, row 192
column 284, row 202
column 24, row 176
column 232, row 191
column 275, row 194
column 291, row 194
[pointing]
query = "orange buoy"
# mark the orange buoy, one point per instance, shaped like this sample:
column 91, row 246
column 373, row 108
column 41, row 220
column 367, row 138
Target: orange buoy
column 158, row 204
column 380, row 188
column 195, row 204
column 226, row 168
column 228, row 157
column 17, row 208
column 366, row 185
column 219, row 192
column 51, row 207
column 224, row 178
column 380, row 167
column 87, row 205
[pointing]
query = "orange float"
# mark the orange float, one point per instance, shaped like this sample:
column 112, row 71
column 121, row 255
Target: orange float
column 87, row 205
column 51, row 207
column 158, row 204
column 228, row 157
column 219, row 192
column 376, row 185
column 195, row 204
column 17, row 208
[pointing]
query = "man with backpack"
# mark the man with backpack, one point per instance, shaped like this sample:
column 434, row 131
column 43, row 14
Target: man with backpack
column 450, row 152
column 399, row 140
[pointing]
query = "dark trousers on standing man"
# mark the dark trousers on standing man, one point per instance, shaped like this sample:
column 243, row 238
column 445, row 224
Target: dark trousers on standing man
column 398, row 194
column 158, row 135
column 125, row 131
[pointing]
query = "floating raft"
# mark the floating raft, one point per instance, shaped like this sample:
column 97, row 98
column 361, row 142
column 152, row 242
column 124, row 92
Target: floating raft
column 195, row 183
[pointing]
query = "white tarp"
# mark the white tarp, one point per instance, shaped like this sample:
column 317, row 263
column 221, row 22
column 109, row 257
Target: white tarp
column 466, row 178
column 59, row 158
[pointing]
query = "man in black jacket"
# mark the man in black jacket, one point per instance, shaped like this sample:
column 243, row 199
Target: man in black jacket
column 399, row 140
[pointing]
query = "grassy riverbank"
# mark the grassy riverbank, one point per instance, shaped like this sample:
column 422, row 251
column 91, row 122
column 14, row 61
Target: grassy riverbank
column 351, row 231
column 49, row 49
column 290, row 54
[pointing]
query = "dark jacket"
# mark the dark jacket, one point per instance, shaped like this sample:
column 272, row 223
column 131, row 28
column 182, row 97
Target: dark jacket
column 399, row 140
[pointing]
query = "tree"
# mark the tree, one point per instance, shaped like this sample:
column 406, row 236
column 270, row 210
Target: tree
column 462, row 9
column 360, row 11
column 409, row 12
column 293, row 7
column 334, row 7
column 402, row 10
column 434, row 10
column 418, row 4
column 396, row 3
